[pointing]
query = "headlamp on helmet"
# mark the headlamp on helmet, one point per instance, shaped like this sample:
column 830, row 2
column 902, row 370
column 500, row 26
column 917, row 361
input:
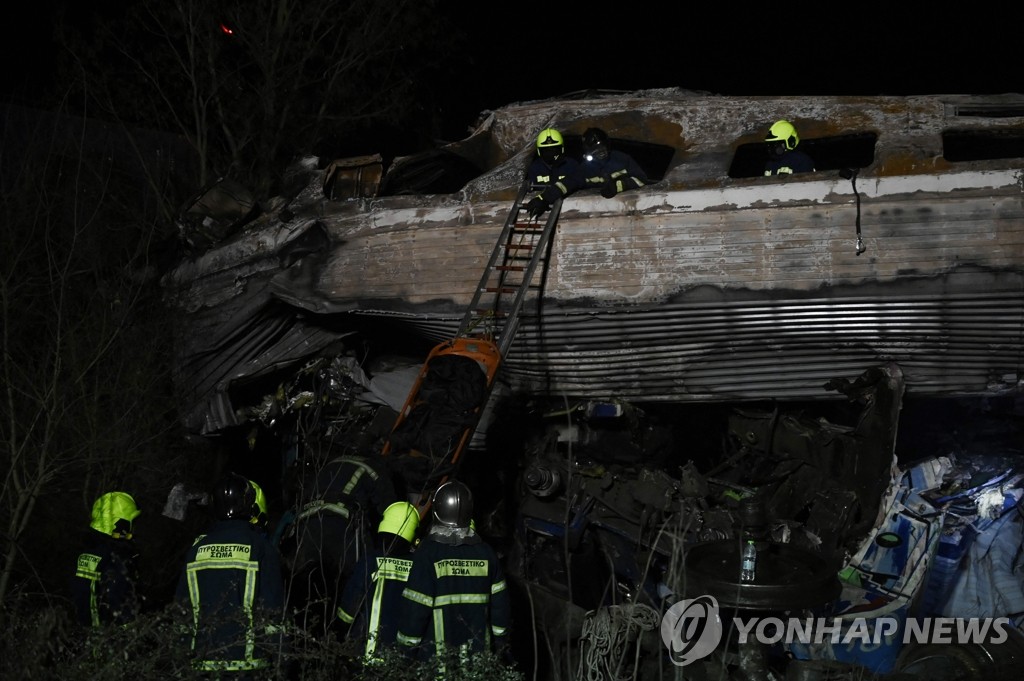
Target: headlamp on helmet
column 595, row 145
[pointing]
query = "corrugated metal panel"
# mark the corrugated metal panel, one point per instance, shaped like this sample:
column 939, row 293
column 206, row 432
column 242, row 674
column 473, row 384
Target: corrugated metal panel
column 945, row 344
column 271, row 342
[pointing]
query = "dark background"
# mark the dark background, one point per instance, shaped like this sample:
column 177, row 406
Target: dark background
column 738, row 49
column 507, row 52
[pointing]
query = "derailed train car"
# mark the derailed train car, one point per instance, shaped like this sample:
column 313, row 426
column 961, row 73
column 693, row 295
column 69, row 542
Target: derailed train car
column 898, row 264
column 712, row 284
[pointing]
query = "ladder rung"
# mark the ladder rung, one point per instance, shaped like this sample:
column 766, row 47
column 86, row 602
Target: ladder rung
column 506, row 289
column 525, row 247
column 509, row 268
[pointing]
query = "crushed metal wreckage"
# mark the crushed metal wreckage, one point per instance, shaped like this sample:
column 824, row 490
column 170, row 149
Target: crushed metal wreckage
column 596, row 532
column 842, row 531
column 608, row 515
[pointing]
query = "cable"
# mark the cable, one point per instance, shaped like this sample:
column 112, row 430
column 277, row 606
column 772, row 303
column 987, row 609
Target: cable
column 605, row 636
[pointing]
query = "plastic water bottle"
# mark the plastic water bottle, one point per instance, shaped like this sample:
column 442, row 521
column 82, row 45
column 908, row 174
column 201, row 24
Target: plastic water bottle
column 749, row 563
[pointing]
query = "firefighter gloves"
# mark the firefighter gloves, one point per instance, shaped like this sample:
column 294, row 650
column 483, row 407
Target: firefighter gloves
column 536, row 207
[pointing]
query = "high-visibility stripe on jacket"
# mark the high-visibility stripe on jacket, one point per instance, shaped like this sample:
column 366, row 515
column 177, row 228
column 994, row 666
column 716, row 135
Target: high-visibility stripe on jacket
column 455, row 596
column 89, row 570
column 793, row 161
column 619, row 170
column 343, row 485
column 104, row 585
column 541, row 174
column 373, row 596
column 233, row 583
column 337, row 498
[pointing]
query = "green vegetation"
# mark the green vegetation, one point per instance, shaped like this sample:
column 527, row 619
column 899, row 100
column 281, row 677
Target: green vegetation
column 43, row 644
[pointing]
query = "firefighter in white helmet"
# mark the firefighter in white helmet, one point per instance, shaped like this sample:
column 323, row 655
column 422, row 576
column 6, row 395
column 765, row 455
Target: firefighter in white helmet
column 455, row 599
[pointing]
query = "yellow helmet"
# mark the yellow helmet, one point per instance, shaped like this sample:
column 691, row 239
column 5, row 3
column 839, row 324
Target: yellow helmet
column 783, row 131
column 549, row 137
column 400, row 518
column 550, row 145
column 113, row 514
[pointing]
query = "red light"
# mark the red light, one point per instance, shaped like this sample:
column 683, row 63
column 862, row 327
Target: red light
column 226, row 30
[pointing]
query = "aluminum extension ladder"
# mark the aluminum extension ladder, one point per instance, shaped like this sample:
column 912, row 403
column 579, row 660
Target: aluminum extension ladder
column 507, row 279
column 490, row 323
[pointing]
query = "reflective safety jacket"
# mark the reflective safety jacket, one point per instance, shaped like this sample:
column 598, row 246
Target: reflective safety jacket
column 542, row 174
column 373, row 596
column 104, row 586
column 337, row 499
column 233, row 584
column 794, row 161
column 455, row 597
column 618, row 173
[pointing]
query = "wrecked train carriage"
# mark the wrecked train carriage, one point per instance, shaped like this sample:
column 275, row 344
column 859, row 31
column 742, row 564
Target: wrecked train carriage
column 712, row 284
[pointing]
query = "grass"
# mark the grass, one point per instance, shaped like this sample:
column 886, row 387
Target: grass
column 44, row 643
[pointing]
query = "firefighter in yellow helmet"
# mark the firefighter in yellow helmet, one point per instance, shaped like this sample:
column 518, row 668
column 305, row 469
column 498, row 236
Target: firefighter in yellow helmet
column 372, row 597
column 549, row 171
column 104, row 588
column 784, row 158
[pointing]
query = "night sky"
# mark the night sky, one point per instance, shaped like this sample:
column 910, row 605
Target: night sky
column 743, row 49
column 533, row 50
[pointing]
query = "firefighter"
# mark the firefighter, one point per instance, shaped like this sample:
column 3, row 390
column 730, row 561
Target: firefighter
column 455, row 599
column 371, row 599
column 104, row 586
column 610, row 170
column 233, row 585
column 783, row 156
column 550, row 168
column 336, row 497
